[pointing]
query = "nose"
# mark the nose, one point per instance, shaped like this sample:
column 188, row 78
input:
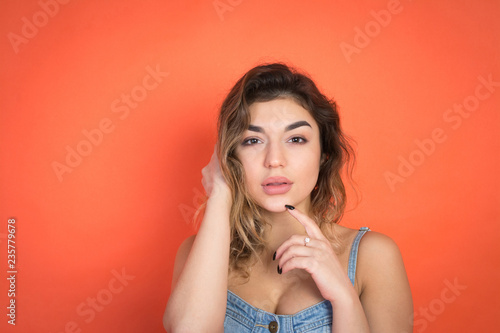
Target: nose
column 274, row 156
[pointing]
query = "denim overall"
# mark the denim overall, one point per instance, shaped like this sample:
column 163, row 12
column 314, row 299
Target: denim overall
column 241, row 317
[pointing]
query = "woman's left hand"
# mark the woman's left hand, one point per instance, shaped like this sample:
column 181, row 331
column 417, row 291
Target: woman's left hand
column 318, row 258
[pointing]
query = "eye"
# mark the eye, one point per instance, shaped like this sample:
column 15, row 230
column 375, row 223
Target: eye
column 250, row 141
column 297, row 139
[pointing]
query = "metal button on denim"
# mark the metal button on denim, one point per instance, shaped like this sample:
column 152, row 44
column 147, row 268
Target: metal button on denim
column 273, row 327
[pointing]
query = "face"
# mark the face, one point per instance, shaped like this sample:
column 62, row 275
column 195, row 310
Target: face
column 280, row 153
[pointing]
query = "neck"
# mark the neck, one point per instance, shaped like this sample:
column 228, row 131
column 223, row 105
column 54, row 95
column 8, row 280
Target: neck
column 282, row 226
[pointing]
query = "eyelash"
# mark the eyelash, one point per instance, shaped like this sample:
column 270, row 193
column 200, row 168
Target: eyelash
column 247, row 142
column 303, row 140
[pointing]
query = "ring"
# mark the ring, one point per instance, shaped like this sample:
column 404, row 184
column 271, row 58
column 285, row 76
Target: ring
column 306, row 240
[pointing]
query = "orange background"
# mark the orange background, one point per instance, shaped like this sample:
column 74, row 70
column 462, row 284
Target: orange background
column 124, row 208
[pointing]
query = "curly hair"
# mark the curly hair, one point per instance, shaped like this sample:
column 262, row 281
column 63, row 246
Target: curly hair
column 328, row 198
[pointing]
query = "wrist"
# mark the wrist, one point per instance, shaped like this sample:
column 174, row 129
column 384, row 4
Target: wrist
column 221, row 197
column 347, row 300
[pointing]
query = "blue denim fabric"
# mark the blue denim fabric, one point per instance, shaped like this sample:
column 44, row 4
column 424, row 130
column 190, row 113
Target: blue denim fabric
column 241, row 317
column 353, row 256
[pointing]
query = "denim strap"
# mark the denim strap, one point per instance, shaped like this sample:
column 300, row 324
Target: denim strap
column 353, row 256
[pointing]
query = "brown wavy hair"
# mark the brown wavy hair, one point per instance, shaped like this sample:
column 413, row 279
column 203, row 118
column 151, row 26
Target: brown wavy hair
column 328, row 199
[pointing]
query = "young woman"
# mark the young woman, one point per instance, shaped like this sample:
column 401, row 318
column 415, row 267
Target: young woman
column 270, row 255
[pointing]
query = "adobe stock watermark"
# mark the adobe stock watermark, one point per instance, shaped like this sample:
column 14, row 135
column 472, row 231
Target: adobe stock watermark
column 121, row 107
column 48, row 9
column 188, row 212
column 373, row 28
column 453, row 117
column 89, row 309
column 425, row 315
column 223, row 6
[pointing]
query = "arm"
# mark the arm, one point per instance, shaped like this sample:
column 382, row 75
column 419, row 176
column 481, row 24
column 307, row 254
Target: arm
column 199, row 286
column 319, row 259
column 384, row 304
column 385, row 290
column 385, row 299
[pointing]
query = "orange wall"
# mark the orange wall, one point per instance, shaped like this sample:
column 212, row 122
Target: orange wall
column 99, row 219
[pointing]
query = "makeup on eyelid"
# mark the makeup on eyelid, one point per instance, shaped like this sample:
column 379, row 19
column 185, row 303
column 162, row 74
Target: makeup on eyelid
column 281, row 141
column 300, row 140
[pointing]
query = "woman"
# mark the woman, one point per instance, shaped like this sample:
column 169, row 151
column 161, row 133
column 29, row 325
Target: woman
column 269, row 255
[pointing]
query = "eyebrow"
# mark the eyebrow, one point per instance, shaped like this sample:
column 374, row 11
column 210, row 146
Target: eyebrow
column 290, row 127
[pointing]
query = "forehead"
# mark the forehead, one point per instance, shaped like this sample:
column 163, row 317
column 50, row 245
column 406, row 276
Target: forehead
column 278, row 113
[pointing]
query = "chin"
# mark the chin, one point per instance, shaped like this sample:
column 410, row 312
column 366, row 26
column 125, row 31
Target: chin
column 276, row 205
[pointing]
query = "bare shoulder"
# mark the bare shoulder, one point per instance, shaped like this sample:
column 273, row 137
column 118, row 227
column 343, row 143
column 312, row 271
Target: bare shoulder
column 382, row 280
column 346, row 236
column 181, row 257
column 378, row 256
column 372, row 245
column 378, row 247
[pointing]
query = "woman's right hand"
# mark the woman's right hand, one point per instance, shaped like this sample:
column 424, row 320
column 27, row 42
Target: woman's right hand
column 213, row 181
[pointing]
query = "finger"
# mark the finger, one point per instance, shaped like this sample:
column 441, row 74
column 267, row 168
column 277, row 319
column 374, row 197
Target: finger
column 215, row 157
column 215, row 163
column 292, row 241
column 305, row 263
column 299, row 242
column 292, row 251
column 311, row 227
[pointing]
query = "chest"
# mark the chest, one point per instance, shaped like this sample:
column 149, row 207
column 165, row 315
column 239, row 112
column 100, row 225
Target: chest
column 284, row 294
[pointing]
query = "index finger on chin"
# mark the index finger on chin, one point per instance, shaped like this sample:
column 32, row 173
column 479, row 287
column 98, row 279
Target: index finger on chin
column 311, row 227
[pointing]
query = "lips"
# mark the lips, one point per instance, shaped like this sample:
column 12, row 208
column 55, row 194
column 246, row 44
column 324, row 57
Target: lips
column 276, row 185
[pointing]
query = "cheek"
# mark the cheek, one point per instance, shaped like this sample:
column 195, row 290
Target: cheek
column 308, row 167
column 309, row 174
column 250, row 171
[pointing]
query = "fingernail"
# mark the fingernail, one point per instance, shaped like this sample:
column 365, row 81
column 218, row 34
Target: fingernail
column 274, row 256
column 280, row 270
column 289, row 207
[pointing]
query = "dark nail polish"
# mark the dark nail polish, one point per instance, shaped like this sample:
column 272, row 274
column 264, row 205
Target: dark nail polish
column 289, row 207
column 274, row 256
column 280, row 270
